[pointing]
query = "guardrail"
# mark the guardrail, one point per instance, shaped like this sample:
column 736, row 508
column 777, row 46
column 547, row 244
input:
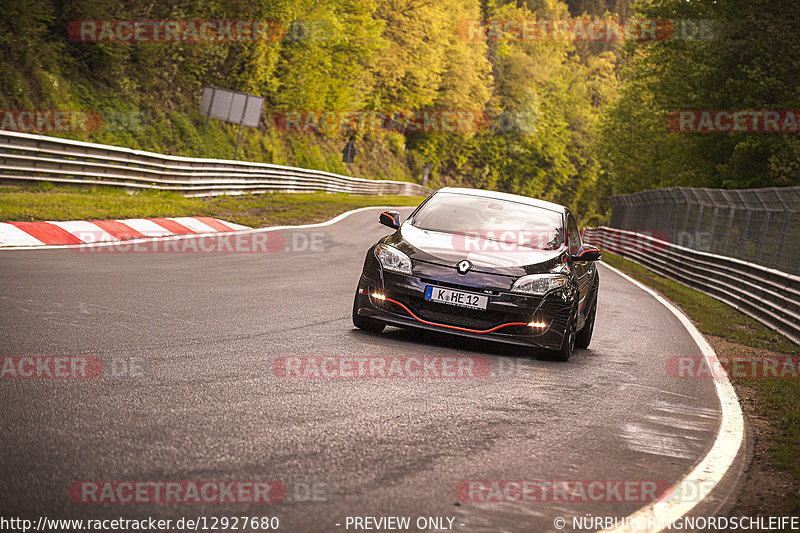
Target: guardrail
column 26, row 157
column 768, row 295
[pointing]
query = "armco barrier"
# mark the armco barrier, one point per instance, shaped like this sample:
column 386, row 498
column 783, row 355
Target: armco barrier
column 26, row 157
column 768, row 295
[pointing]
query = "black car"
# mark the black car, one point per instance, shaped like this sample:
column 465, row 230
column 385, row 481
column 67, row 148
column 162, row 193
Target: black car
column 486, row 265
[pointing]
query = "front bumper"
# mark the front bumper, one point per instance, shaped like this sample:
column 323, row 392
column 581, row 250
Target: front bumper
column 505, row 319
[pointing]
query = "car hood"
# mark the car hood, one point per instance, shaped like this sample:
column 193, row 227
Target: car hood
column 486, row 255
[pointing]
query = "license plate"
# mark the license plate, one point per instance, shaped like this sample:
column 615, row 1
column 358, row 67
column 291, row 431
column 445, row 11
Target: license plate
column 459, row 298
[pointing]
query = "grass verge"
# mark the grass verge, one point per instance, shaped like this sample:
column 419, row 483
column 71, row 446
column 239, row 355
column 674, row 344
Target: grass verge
column 772, row 483
column 47, row 202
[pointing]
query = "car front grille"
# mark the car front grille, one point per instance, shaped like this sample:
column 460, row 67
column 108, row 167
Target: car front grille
column 460, row 316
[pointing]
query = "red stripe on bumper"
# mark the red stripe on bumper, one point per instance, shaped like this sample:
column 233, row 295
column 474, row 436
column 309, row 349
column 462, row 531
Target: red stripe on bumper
column 418, row 319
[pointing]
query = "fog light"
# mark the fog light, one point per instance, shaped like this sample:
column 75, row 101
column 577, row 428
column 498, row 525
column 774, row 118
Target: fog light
column 537, row 325
column 378, row 296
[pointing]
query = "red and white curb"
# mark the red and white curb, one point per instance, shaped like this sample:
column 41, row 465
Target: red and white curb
column 162, row 233
column 24, row 234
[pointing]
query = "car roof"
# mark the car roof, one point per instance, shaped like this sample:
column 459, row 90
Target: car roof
column 506, row 196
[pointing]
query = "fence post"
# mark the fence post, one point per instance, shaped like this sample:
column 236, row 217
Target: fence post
column 730, row 222
column 746, row 230
column 787, row 216
column 713, row 226
column 765, row 227
column 701, row 203
column 688, row 209
column 676, row 209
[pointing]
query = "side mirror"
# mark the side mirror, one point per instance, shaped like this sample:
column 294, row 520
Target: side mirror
column 390, row 218
column 587, row 252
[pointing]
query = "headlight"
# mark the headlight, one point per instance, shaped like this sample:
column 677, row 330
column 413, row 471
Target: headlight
column 539, row 284
column 393, row 259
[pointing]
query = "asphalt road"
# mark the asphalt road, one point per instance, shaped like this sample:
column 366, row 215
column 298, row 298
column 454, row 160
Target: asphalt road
column 203, row 402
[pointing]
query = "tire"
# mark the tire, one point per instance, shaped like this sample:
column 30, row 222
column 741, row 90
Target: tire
column 568, row 344
column 584, row 336
column 363, row 322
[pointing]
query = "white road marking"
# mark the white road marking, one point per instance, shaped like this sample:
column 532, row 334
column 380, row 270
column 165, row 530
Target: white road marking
column 697, row 484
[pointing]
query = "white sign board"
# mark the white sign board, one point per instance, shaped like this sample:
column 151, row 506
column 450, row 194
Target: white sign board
column 231, row 106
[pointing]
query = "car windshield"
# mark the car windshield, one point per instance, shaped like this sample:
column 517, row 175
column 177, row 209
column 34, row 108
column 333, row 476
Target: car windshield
column 489, row 218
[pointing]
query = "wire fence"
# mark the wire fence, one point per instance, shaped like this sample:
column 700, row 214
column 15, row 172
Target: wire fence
column 761, row 226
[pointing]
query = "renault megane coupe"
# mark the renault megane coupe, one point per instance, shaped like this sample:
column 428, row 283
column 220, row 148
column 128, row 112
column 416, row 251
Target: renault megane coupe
column 486, row 265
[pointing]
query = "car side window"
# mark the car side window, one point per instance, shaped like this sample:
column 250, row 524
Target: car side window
column 573, row 236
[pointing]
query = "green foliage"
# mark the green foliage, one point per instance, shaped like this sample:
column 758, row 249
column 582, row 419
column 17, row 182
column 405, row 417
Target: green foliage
column 543, row 98
column 751, row 63
column 544, row 106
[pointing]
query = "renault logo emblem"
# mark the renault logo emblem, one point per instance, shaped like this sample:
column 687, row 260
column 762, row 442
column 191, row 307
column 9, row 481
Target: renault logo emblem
column 463, row 267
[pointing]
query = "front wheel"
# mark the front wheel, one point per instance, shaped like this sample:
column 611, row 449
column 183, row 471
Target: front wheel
column 364, row 322
column 584, row 336
column 568, row 344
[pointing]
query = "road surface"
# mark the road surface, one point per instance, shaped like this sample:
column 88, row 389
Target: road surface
column 191, row 339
